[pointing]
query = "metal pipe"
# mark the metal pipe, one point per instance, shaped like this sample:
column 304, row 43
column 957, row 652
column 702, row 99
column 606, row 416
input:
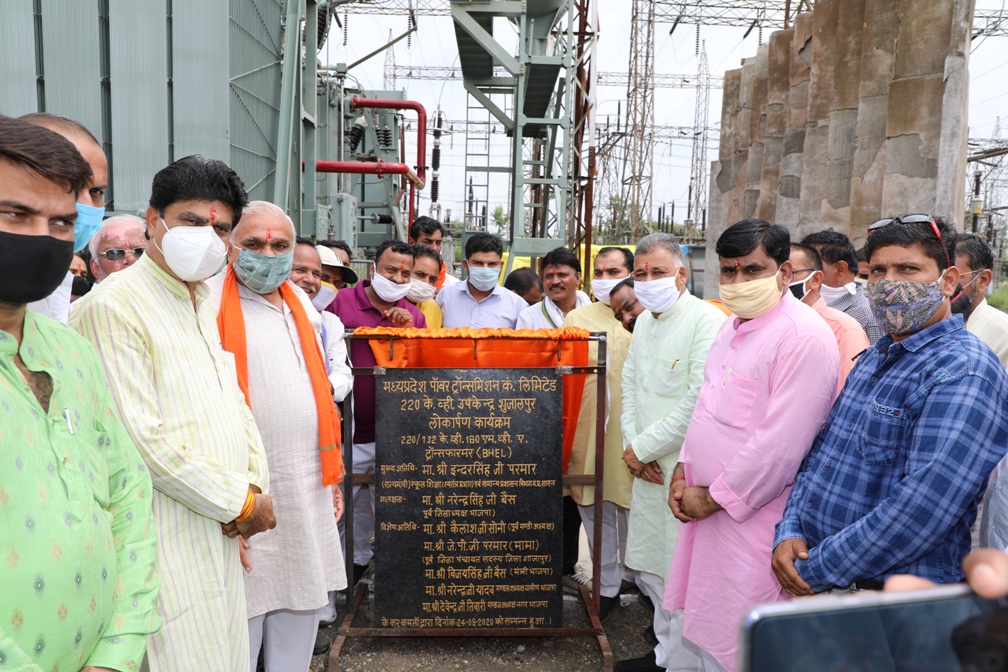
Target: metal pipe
column 379, row 168
column 382, row 103
column 421, row 165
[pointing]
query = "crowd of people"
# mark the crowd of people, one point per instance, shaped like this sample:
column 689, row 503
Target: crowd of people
column 171, row 479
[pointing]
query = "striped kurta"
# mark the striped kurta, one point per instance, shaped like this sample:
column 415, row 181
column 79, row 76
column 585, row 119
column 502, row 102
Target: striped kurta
column 178, row 395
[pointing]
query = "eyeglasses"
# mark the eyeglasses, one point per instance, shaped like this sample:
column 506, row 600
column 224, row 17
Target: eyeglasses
column 910, row 219
column 118, row 254
column 336, row 282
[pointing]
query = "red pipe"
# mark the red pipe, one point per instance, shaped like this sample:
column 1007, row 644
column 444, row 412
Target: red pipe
column 421, row 166
column 379, row 168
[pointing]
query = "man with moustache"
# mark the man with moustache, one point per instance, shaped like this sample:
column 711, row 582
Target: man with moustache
column 612, row 264
column 661, row 380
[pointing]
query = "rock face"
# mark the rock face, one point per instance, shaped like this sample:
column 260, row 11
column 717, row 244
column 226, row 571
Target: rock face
column 856, row 112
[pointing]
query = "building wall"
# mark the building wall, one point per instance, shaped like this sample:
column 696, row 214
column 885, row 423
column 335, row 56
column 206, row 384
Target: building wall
column 202, row 78
column 856, row 112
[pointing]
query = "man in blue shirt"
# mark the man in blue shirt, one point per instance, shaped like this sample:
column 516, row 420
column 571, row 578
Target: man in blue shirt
column 479, row 302
column 892, row 482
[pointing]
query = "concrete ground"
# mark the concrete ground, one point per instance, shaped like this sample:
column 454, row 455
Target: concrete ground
column 477, row 654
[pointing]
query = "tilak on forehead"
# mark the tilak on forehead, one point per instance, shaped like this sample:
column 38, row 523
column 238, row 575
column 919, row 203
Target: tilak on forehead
column 737, row 264
column 213, row 214
column 647, row 265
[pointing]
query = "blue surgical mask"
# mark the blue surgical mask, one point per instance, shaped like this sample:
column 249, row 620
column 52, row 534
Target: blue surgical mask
column 260, row 273
column 89, row 219
column 483, row 279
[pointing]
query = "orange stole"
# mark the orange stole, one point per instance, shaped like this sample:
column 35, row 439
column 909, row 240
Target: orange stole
column 231, row 325
column 465, row 348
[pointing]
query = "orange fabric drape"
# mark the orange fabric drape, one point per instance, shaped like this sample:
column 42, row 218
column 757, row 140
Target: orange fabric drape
column 466, row 348
column 441, row 276
column 231, row 325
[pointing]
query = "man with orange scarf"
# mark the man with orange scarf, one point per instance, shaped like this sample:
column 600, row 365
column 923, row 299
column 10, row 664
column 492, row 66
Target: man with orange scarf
column 267, row 323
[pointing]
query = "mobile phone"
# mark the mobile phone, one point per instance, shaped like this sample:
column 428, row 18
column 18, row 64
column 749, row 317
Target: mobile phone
column 943, row 629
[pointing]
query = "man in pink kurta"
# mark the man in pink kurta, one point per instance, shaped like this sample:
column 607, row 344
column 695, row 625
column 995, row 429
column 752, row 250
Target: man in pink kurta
column 769, row 382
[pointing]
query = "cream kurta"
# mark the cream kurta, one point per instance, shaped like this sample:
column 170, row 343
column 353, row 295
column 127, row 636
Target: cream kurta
column 616, row 476
column 661, row 381
column 990, row 325
column 295, row 564
column 177, row 393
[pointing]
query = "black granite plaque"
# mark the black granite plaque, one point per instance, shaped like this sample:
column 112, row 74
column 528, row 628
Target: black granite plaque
column 468, row 515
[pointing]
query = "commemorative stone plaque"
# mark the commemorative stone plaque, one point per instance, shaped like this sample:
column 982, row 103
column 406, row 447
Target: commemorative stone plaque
column 468, row 515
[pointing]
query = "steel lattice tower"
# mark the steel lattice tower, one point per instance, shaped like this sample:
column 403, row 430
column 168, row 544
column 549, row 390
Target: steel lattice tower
column 699, row 164
column 639, row 166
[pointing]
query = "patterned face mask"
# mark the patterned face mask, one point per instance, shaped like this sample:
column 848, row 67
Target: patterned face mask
column 903, row 307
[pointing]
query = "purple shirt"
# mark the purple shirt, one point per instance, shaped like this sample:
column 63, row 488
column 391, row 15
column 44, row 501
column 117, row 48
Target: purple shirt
column 354, row 309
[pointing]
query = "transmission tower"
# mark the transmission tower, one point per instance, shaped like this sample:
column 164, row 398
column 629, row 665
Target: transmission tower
column 698, row 167
column 640, row 118
column 390, row 67
column 614, row 79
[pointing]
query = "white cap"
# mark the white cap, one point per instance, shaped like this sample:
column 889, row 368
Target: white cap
column 330, row 258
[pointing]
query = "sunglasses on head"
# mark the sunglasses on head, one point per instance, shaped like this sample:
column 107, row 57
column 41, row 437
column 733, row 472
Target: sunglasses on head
column 910, row 219
column 118, row 254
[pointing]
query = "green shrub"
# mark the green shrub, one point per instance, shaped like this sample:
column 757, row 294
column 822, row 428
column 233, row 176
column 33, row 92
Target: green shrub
column 999, row 297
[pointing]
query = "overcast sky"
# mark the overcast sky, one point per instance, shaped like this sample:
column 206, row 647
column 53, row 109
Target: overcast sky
column 434, row 45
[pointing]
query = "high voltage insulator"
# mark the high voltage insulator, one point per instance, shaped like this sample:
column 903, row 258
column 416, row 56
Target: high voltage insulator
column 356, row 132
column 436, row 158
column 346, row 16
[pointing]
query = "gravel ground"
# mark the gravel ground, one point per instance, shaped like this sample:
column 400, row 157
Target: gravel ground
column 477, row 654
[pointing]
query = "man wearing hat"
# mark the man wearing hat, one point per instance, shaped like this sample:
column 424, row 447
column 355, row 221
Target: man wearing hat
column 335, row 276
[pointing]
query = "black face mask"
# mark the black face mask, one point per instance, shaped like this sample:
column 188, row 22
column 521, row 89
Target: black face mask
column 32, row 267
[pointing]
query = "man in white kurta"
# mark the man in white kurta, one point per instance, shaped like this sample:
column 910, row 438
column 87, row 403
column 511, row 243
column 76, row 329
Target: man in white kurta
column 296, row 564
column 177, row 393
column 661, row 381
column 561, row 274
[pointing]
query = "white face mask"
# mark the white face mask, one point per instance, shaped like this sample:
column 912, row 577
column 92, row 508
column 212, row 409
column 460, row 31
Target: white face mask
column 387, row 290
column 657, row 295
column 601, row 287
column 193, row 253
column 831, row 294
column 483, row 279
column 324, row 297
column 420, row 291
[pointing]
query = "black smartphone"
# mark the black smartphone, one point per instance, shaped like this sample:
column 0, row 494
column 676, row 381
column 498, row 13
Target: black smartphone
column 943, row 629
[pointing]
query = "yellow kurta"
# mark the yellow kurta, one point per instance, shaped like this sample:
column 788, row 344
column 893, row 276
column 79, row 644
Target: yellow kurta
column 177, row 393
column 617, row 480
column 432, row 314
